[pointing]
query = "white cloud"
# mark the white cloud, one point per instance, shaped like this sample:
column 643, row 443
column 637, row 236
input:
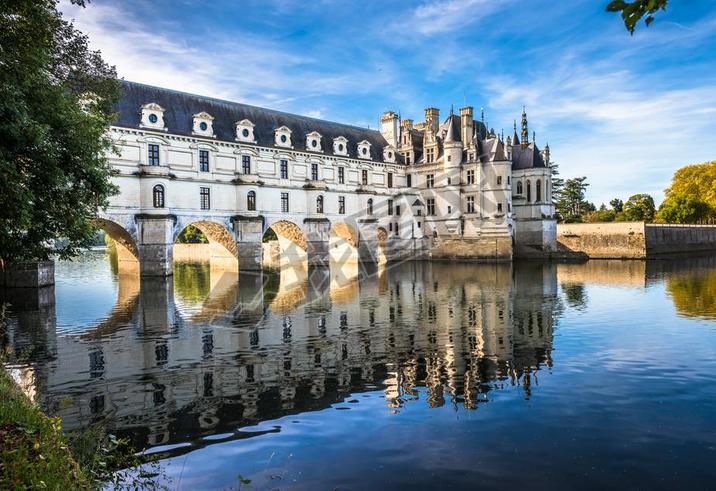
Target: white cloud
column 449, row 16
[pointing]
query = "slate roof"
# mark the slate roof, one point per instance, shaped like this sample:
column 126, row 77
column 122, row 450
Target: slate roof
column 526, row 158
column 180, row 108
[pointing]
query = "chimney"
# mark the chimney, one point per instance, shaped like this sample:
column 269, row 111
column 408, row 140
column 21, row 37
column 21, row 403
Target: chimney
column 432, row 119
column 389, row 128
column 466, row 125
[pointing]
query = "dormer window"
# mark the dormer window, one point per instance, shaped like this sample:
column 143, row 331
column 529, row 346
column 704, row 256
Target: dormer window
column 313, row 142
column 364, row 150
column 203, row 125
column 389, row 154
column 245, row 131
column 340, row 146
column 283, row 137
column 152, row 117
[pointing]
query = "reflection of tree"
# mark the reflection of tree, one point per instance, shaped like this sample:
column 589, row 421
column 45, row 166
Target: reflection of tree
column 575, row 294
column 192, row 281
column 694, row 295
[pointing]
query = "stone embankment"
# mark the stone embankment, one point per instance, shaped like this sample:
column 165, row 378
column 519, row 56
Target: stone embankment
column 634, row 240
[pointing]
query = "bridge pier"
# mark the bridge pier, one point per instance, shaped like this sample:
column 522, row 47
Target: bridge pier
column 317, row 232
column 155, row 244
column 368, row 244
column 249, row 233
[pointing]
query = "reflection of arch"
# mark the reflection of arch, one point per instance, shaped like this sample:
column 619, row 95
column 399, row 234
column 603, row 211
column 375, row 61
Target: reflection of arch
column 123, row 311
column 382, row 238
column 126, row 246
column 343, row 243
column 222, row 245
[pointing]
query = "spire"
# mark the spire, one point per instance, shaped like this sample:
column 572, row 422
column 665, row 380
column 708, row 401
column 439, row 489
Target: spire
column 515, row 138
column 451, row 130
column 534, row 137
column 482, row 115
column 546, row 154
column 525, row 129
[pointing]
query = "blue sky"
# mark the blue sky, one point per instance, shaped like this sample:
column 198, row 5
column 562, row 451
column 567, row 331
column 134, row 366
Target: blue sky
column 625, row 111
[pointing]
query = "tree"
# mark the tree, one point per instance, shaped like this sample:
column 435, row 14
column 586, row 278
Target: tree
column 56, row 102
column 640, row 207
column 617, row 205
column 691, row 198
column 570, row 202
column 192, row 235
column 633, row 11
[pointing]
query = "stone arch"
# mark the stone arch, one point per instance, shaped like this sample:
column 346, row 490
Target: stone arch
column 222, row 251
column 292, row 241
column 124, row 242
column 343, row 243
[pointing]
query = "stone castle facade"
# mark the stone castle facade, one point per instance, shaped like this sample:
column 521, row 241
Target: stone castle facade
column 447, row 188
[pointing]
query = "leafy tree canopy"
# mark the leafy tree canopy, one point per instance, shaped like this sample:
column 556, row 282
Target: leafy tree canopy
column 192, row 235
column 617, row 205
column 56, row 100
column 632, row 12
column 640, row 207
column 691, row 198
column 570, row 200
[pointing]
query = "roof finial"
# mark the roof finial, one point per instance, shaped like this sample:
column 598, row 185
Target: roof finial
column 451, row 109
column 482, row 115
column 515, row 138
column 525, row 129
column 534, row 137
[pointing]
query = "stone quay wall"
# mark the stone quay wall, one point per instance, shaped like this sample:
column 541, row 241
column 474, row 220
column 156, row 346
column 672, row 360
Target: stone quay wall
column 634, row 240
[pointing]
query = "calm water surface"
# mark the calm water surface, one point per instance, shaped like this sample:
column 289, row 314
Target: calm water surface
column 416, row 376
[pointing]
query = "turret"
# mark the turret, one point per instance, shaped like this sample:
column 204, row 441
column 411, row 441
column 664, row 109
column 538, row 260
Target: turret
column 466, row 125
column 390, row 129
column 452, row 145
column 432, row 119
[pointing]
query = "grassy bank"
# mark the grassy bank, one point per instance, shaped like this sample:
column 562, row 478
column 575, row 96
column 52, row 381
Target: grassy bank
column 33, row 452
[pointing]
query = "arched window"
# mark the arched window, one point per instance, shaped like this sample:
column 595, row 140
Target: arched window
column 251, row 201
column 158, row 196
column 519, row 187
column 529, row 191
column 370, row 206
column 319, row 204
column 538, row 191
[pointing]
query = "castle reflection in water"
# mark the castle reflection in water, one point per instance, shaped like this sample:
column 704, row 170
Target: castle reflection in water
column 207, row 352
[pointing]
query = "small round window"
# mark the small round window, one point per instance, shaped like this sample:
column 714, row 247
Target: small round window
column 283, row 138
column 245, row 133
column 340, row 147
column 365, row 150
column 314, row 143
column 153, row 118
column 203, row 126
column 390, row 155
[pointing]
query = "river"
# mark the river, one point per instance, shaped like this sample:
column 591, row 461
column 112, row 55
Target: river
column 419, row 375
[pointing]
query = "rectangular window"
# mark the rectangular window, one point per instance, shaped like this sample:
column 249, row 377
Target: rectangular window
column 364, row 177
column 470, row 204
column 341, row 175
column 205, row 195
column 341, row 205
column 430, row 155
column 153, row 153
column 410, row 180
column 499, row 207
column 314, row 172
column 397, row 230
column 430, row 204
column 246, row 164
column 397, row 210
column 499, row 180
column 284, row 169
column 407, row 158
column 203, row 160
column 284, row 202
column 430, row 180
column 449, row 209
column 471, row 177
column 390, row 207
column 390, row 179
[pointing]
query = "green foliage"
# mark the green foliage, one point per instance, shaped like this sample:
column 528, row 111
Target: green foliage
column 633, row 11
column 601, row 216
column 684, row 209
column 639, row 207
column 617, row 205
column 691, row 198
column 56, row 100
column 192, row 235
column 270, row 235
column 570, row 203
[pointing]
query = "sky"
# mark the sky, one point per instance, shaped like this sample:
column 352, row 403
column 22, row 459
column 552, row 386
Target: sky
column 624, row 111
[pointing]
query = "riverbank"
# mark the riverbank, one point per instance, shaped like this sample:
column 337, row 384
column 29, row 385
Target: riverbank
column 33, row 451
